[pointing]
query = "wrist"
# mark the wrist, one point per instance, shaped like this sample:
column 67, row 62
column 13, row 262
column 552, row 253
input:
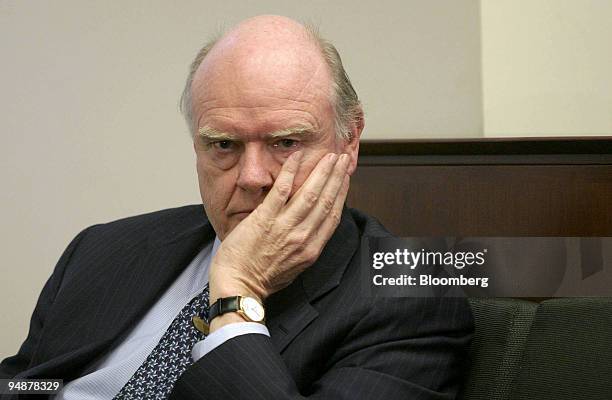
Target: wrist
column 225, row 319
column 219, row 289
column 230, row 291
column 227, row 310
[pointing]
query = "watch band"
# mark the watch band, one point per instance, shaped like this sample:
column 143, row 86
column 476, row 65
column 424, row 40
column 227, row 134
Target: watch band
column 224, row 305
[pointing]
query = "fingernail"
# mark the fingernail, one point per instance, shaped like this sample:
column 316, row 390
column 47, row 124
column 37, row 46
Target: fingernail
column 344, row 158
column 297, row 156
column 333, row 157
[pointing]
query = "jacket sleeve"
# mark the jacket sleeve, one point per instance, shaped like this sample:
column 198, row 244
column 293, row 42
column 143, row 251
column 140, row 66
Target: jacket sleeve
column 12, row 366
column 404, row 348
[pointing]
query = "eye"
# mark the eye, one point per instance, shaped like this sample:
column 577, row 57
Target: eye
column 286, row 143
column 223, row 144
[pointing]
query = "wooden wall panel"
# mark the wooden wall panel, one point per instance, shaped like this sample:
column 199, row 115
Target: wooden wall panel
column 485, row 198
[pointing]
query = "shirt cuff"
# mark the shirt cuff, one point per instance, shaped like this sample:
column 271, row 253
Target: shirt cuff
column 225, row 333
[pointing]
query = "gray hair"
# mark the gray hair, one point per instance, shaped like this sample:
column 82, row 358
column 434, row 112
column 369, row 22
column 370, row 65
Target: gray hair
column 347, row 107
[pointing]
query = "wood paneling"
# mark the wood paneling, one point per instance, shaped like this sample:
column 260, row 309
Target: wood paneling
column 471, row 195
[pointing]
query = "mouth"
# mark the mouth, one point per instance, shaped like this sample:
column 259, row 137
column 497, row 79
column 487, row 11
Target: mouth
column 241, row 214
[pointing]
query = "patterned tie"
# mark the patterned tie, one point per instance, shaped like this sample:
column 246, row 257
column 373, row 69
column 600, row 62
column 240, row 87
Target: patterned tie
column 170, row 358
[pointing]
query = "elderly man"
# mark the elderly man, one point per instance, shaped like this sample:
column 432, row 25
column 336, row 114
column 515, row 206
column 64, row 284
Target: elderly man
column 276, row 126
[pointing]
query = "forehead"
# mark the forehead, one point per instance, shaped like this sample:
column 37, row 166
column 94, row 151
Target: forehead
column 274, row 85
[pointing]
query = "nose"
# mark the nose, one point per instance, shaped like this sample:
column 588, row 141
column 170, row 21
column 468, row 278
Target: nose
column 256, row 170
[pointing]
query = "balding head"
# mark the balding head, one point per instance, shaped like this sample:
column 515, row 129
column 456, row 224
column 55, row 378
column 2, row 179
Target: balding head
column 267, row 34
column 272, row 52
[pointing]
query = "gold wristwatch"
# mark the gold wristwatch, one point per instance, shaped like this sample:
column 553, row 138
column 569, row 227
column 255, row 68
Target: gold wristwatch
column 248, row 307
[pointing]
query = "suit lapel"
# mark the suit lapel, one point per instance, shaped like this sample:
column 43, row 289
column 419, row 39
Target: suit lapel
column 118, row 297
column 288, row 313
column 291, row 309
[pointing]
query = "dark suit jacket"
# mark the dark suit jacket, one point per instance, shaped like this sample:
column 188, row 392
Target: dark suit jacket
column 328, row 341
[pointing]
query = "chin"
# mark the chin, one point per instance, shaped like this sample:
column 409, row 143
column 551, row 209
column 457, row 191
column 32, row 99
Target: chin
column 228, row 228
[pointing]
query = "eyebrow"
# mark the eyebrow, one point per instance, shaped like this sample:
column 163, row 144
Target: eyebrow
column 212, row 134
column 299, row 131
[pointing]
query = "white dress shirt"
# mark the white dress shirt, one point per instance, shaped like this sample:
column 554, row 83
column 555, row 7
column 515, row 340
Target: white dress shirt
column 106, row 378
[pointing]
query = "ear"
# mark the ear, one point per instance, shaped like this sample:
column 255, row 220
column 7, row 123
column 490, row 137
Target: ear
column 352, row 146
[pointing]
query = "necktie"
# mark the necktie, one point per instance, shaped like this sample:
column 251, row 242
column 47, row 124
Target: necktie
column 157, row 375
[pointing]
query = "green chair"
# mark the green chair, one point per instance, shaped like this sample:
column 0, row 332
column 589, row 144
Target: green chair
column 559, row 349
column 502, row 327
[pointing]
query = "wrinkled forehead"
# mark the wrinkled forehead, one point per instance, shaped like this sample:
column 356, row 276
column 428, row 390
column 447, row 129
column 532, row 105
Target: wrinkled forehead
column 253, row 68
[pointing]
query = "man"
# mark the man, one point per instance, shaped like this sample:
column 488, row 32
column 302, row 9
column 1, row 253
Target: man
column 276, row 127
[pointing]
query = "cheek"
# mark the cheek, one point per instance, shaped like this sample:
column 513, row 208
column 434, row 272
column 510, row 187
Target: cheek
column 224, row 161
column 303, row 173
column 216, row 186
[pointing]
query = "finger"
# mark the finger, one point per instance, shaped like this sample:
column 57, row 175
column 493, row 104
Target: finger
column 332, row 220
column 327, row 199
column 279, row 194
column 307, row 196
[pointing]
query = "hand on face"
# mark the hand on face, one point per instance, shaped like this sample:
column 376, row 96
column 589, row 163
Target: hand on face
column 282, row 237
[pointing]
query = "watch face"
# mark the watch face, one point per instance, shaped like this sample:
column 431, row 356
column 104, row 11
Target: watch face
column 252, row 309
